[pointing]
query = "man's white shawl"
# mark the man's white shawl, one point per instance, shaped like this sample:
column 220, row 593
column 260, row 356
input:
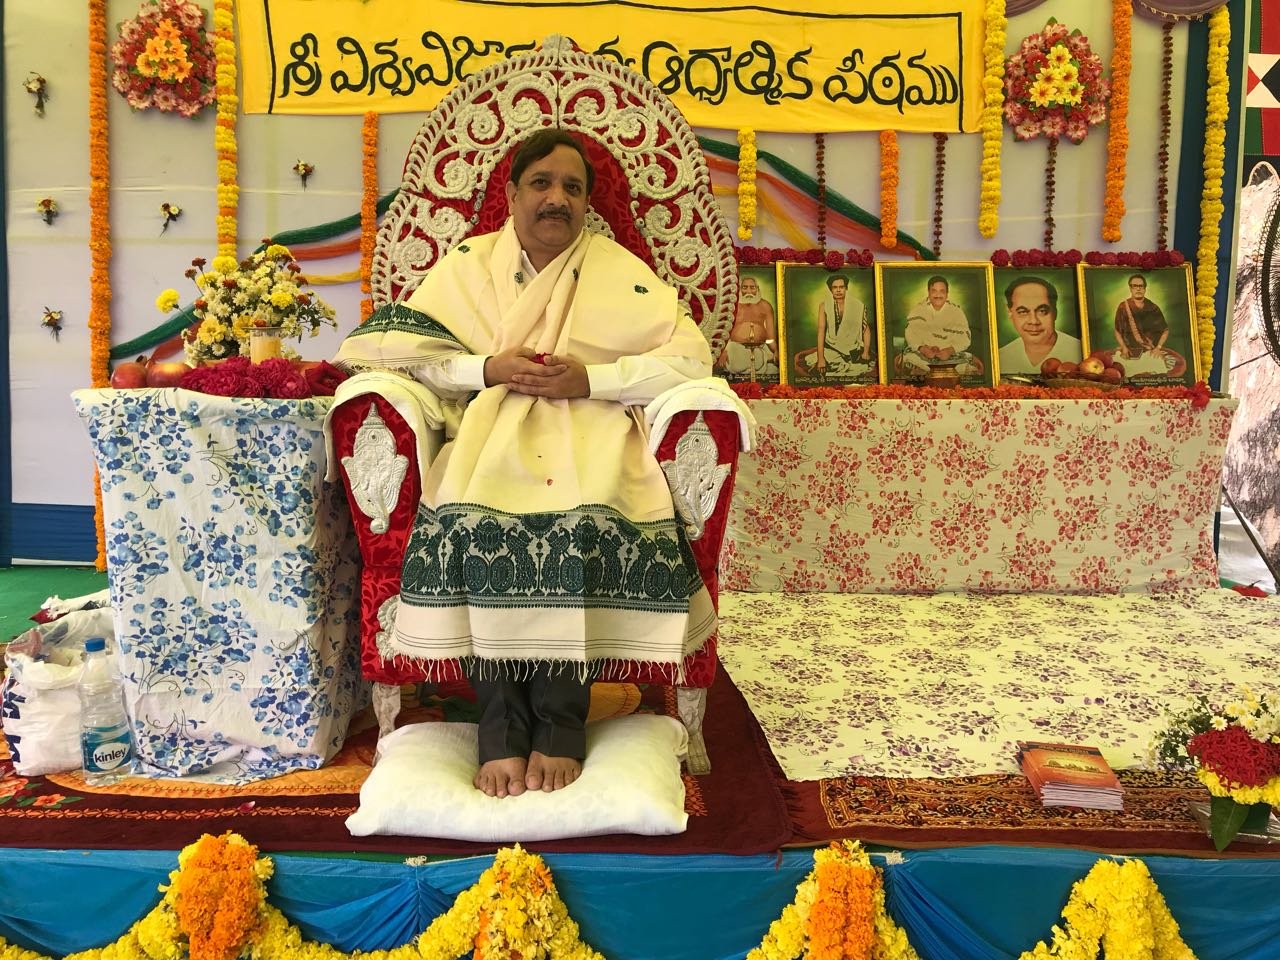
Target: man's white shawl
column 546, row 530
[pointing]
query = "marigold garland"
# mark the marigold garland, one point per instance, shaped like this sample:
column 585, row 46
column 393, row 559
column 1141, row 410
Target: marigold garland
column 1118, row 122
column 214, row 908
column 992, row 117
column 1215, row 132
column 838, row 912
column 888, row 189
column 224, row 131
column 368, row 210
column 99, row 232
column 1117, row 908
column 746, row 182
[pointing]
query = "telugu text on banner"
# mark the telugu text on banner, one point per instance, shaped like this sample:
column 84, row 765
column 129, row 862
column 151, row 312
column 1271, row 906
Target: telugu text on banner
column 913, row 65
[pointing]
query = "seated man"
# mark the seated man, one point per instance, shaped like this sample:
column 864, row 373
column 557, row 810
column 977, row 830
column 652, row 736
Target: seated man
column 937, row 331
column 546, row 540
column 752, row 347
column 844, row 335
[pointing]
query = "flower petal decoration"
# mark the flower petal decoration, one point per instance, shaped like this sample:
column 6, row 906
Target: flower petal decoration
column 1054, row 86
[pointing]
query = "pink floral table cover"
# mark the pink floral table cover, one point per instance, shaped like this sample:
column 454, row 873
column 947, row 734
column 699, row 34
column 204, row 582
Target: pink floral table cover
column 920, row 496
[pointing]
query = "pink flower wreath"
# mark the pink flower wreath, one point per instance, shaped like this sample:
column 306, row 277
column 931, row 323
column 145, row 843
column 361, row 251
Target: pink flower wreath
column 1053, row 86
column 163, row 58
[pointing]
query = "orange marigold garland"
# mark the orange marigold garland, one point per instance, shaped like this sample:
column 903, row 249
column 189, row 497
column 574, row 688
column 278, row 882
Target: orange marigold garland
column 224, row 135
column 888, row 189
column 99, row 231
column 218, row 890
column 368, row 210
column 1118, row 122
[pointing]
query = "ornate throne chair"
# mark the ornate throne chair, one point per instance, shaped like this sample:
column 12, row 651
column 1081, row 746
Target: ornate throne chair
column 652, row 195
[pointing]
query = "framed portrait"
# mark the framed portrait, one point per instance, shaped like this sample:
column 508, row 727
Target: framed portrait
column 1037, row 317
column 938, row 314
column 828, row 325
column 752, row 350
column 1147, row 318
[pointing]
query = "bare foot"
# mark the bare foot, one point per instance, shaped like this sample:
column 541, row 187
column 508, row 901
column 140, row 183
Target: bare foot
column 501, row 778
column 551, row 773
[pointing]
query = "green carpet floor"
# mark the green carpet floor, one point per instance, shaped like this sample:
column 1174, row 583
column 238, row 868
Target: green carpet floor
column 23, row 589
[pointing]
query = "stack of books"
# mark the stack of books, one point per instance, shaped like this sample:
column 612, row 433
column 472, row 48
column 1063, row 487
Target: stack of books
column 1068, row 775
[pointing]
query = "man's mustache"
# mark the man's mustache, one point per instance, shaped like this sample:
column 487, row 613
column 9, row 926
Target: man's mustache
column 558, row 213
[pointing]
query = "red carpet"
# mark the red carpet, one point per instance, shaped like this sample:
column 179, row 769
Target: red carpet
column 738, row 808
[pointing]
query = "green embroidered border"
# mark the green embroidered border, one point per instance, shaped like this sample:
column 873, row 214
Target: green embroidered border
column 593, row 556
column 398, row 318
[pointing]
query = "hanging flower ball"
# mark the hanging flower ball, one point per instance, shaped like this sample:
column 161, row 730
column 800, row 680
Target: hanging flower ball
column 1054, row 86
column 163, row 59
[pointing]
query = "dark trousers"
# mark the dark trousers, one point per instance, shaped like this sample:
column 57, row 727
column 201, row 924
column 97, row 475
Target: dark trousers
column 544, row 711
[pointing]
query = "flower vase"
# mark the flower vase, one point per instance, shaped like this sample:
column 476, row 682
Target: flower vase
column 264, row 343
column 1225, row 820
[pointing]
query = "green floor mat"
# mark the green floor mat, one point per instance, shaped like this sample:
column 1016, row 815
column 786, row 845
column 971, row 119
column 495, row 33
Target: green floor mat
column 24, row 589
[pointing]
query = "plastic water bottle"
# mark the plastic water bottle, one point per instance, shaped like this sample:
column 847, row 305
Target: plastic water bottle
column 106, row 746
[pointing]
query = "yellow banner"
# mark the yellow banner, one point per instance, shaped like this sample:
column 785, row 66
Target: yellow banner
column 911, row 65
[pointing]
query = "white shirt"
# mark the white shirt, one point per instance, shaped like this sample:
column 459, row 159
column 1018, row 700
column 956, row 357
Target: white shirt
column 1014, row 359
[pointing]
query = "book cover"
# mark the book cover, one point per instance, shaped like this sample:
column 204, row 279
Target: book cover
column 1066, row 765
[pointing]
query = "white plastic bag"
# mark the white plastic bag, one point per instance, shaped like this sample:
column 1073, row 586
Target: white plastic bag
column 39, row 704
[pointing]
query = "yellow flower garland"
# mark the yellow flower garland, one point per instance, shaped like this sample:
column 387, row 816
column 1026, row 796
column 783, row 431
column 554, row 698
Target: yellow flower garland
column 224, row 131
column 992, row 117
column 1215, row 132
column 834, row 907
column 1116, row 907
column 888, row 189
column 368, row 210
column 99, row 234
column 746, row 182
column 215, row 907
column 1118, row 118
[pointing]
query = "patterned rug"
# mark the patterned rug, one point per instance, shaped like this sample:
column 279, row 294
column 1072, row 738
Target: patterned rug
column 920, row 812
column 738, row 808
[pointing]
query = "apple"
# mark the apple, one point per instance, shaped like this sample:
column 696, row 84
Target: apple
column 165, row 373
column 130, row 375
column 1067, row 369
column 1117, row 365
column 1112, row 375
column 1091, row 367
column 1050, row 366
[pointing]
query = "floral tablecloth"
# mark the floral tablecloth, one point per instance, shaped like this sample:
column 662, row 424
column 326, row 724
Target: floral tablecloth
column 870, row 496
column 944, row 686
column 233, row 572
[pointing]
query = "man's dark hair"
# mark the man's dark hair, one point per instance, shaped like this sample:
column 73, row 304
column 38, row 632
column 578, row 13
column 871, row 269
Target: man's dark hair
column 937, row 278
column 1050, row 290
column 540, row 145
column 834, row 277
column 1137, row 276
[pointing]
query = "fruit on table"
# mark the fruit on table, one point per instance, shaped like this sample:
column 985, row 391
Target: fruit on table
column 130, row 375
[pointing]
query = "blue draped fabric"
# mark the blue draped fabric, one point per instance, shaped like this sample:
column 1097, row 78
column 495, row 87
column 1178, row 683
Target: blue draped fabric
column 970, row 903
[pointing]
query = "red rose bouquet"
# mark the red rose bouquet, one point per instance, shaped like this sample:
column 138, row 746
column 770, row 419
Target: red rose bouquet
column 164, row 59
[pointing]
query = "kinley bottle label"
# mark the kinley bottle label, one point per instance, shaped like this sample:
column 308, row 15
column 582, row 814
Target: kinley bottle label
column 105, row 748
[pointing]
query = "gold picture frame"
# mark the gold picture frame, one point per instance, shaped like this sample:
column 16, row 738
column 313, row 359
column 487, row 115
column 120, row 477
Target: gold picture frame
column 828, row 325
column 918, row 330
column 1157, row 343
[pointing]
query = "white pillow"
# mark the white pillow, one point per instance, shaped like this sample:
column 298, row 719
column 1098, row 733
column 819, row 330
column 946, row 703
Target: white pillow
column 422, row 786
